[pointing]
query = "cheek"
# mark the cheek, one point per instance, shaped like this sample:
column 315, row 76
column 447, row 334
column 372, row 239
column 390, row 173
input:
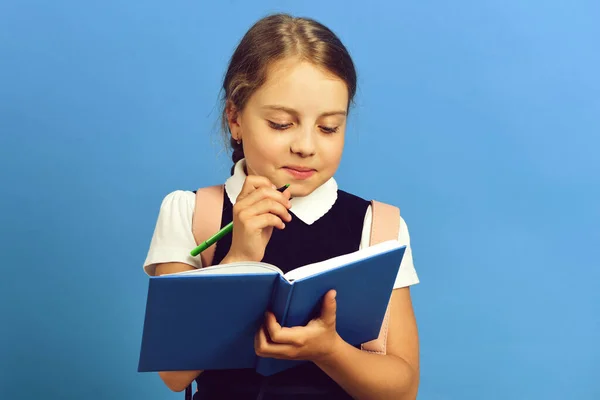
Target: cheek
column 261, row 143
column 334, row 150
column 266, row 145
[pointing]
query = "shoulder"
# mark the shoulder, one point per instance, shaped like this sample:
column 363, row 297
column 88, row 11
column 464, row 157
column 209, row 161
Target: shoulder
column 403, row 235
column 172, row 238
column 366, row 206
column 342, row 194
column 350, row 209
column 178, row 203
column 407, row 275
column 348, row 197
column 178, row 198
column 351, row 201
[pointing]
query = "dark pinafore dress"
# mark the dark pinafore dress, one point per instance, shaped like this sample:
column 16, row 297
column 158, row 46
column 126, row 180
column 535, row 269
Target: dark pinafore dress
column 336, row 233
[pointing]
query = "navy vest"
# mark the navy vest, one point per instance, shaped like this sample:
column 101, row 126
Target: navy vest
column 336, row 233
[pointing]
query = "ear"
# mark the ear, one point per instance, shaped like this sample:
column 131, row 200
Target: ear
column 233, row 120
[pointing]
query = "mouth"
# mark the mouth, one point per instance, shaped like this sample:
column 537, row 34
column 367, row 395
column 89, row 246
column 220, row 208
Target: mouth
column 298, row 168
column 299, row 172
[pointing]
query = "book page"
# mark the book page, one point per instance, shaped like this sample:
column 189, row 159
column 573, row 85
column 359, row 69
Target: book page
column 332, row 263
column 239, row 268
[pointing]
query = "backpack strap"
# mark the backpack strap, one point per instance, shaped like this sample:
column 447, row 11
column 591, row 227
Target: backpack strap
column 206, row 219
column 385, row 225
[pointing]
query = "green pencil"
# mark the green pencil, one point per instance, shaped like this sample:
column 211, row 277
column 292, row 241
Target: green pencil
column 217, row 236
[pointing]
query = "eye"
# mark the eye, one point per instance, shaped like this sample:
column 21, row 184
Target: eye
column 279, row 127
column 327, row 129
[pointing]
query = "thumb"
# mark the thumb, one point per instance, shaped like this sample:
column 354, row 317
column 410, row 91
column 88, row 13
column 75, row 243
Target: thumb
column 329, row 308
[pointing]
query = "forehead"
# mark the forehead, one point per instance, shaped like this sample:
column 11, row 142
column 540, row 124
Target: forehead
column 302, row 86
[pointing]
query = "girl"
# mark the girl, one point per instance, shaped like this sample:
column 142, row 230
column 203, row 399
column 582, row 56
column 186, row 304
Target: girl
column 288, row 89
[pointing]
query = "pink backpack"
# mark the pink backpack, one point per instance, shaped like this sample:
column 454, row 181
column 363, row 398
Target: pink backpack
column 207, row 220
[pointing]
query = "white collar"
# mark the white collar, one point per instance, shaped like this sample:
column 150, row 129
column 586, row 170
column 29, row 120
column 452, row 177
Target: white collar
column 308, row 208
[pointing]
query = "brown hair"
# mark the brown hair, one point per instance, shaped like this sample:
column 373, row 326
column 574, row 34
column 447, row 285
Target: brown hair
column 271, row 39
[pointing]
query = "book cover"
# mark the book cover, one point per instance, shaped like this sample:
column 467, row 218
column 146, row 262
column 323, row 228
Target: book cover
column 207, row 319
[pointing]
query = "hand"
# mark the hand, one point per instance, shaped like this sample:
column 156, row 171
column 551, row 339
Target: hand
column 315, row 341
column 258, row 209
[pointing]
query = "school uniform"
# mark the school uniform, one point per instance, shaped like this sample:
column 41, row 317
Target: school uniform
column 327, row 223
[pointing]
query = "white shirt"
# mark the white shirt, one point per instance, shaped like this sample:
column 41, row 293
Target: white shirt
column 173, row 239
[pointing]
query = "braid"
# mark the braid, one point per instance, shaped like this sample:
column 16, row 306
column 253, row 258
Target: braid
column 238, row 152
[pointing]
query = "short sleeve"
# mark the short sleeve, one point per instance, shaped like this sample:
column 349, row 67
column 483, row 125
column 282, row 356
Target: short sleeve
column 407, row 275
column 173, row 239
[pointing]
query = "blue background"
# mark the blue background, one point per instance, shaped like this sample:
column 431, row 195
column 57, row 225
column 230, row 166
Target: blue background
column 480, row 119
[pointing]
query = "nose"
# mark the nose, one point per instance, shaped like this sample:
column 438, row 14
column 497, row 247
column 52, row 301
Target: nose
column 303, row 142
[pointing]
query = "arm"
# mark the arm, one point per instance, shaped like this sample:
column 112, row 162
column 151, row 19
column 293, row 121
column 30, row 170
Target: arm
column 373, row 376
column 254, row 212
column 177, row 381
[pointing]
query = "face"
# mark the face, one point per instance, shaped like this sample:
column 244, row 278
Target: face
column 293, row 127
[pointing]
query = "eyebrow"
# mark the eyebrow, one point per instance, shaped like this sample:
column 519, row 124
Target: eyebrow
column 294, row 112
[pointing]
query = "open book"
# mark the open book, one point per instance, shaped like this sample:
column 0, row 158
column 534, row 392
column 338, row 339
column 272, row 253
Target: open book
column 207, row 318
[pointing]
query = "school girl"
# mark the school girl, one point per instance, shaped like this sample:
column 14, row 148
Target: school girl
column 287, row 93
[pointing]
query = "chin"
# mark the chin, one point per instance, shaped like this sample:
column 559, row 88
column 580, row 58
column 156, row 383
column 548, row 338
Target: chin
column 303, row 188
column 301, row 192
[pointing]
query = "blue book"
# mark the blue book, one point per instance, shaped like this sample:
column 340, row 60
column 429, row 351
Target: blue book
column 206, row 319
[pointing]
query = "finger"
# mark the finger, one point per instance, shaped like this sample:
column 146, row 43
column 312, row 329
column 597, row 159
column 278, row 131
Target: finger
column 263, row 193
column 263, row 347
column 263, row 207
column 295, row 336
column 253, row 182
column 263, row 221
column 260, row 338
column 261, row 343
column 287, row 193
column 329, row 307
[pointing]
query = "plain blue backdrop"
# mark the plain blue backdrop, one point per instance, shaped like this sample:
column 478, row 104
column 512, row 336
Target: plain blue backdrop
column 480, row 119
